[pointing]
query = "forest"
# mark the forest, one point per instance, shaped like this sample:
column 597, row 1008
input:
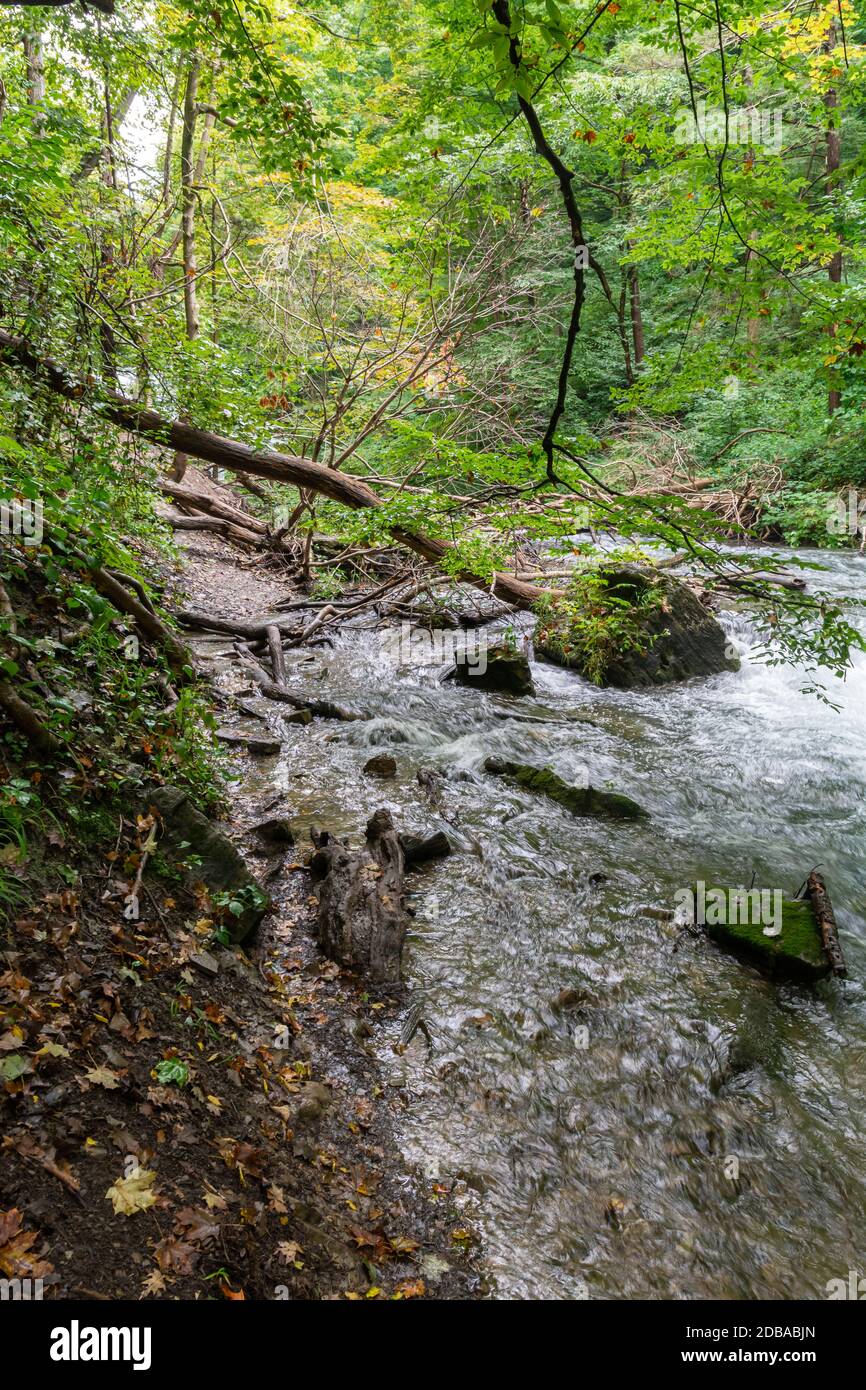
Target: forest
column 432, row 652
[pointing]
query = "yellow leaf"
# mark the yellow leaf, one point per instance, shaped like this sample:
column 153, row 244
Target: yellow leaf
column 129, row 1195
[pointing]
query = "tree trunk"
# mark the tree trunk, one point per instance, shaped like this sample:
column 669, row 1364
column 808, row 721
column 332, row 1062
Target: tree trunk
column 187, row 222
column 636, row 314
column 361, row 918
column 833, row 160
column 32, row 45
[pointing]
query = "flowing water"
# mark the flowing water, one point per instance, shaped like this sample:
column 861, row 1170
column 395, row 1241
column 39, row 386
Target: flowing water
column 601, row 1142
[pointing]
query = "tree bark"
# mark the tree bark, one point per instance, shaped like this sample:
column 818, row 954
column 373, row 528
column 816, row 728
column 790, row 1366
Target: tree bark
column 833, row 160
column 361, row 918
column 823, row 909
column 187, row 222
column 636, row 314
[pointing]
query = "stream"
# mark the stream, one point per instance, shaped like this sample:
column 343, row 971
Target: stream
column 594, row 1143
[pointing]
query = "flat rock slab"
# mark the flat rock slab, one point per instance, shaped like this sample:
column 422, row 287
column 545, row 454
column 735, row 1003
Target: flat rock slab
column 258, row 744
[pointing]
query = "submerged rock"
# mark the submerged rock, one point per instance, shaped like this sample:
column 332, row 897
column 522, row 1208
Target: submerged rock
column 502, row 668
column 581, row 801
column 259, row 744
column 417, row 849
column 187, row 832
column 654, row 628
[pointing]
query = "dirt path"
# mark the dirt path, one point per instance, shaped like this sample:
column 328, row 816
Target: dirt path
column 205, row 1123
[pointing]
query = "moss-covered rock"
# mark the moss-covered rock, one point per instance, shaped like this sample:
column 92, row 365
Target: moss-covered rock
column 581, row 801
column 505, row 669
column 625, row 626
column 795, row 952
column 187, row 833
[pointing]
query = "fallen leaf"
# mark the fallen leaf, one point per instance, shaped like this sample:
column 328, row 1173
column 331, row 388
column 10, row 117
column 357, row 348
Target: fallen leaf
column 102, row 1076
column 129, row 1195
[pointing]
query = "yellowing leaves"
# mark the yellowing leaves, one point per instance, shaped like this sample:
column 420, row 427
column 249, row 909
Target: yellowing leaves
column 132, row 1194
column 102, row 1076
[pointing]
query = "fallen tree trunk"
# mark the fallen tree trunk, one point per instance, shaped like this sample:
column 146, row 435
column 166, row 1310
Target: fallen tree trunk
column 240, row 458
column 214, row 524
column 361, row 919
column 201, row 502
column 826, row 919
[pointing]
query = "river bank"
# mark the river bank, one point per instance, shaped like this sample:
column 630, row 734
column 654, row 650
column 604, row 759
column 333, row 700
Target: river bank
column 183, row 1119
column 596, row 1105
column 684, row 1127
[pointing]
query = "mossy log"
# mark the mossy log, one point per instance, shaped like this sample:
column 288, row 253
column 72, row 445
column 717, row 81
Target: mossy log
column 581, row 801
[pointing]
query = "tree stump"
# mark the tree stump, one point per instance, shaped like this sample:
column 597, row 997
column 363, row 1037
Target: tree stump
column 361, row 919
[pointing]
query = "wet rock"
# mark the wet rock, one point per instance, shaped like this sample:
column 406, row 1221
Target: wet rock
column 254, row 743
column 276, row 830
column 662, row 633
column 314, row 1102
column 381, row 765
column 417, row 849
column 790, row 947
column 187, row 832
column 502, row 668
column 581, row 801
column 567, row 999
column 205, row 962
column 298, row 716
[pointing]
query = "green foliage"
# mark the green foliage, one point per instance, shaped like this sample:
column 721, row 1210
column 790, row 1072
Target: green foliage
column 594, row 621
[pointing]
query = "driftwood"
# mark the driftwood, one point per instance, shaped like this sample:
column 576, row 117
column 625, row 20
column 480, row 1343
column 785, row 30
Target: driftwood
column 323, row 708
column 822, row 907
column 275, row 648
column 361, row 918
